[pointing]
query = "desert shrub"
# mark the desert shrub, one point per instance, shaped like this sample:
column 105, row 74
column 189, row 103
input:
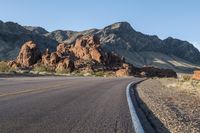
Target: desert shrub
column 77, row 73
column 195, row 83
column 63, row 71
column 99, row 73
column 186, row 77
column 43, row 68
column 80, row 74
column 4, row 67
column 109, row 74
column 89, row 62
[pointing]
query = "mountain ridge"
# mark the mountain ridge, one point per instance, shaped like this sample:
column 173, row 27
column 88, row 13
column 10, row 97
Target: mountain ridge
column 119, row 37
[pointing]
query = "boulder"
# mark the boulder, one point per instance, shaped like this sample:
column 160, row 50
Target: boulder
column 63, row 49
column 54, row 58
column 122, row 73
column 93, row 40
column 87, row 48
column 46, row 57
column 95, row 55
column 196, row 75
column 29, row 54
column 65, row 65
column 126, row 70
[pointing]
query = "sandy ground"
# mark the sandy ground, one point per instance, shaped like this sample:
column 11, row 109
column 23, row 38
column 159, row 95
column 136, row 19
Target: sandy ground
column 175, row 104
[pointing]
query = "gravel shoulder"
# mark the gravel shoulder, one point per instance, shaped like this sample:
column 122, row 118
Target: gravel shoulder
column 173, row 106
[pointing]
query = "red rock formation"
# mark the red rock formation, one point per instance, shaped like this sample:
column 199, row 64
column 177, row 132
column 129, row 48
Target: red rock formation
column 87, row 48
column 54, row 58
column 122, row 73
column 196, row 75
column 126, row 70
column 65, row 64
column 29, row 54
column 13, row 64
column 46, row 58
column 63, row 49
column 85, row 56
column 95, row 54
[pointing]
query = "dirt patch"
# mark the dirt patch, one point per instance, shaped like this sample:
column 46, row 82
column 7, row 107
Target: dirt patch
column 175, row 103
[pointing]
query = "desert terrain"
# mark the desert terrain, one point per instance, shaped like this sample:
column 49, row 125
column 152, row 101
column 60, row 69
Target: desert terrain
column 171, row 105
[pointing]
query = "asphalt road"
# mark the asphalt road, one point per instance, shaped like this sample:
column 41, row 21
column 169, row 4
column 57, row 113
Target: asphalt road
column 64, row 105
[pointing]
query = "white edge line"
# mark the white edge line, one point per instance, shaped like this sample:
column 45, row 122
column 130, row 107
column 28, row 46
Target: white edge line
column 136, row 122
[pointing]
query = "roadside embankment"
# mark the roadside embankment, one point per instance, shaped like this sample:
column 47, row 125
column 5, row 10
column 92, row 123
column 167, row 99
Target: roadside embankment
column 172, row 105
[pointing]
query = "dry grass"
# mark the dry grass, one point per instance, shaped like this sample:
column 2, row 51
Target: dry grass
column 175, row 102
column 4, row 67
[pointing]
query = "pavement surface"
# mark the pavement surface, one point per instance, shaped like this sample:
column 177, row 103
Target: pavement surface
column 64, row 105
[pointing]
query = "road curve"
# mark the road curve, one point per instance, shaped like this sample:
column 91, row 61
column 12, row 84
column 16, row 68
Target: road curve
column 64, row 105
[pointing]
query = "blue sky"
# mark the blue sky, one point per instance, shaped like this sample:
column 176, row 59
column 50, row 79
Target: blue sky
column 176, row 18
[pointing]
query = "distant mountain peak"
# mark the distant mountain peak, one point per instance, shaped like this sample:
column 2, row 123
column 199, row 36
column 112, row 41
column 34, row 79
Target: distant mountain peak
column 36, row 29
column 120, row 25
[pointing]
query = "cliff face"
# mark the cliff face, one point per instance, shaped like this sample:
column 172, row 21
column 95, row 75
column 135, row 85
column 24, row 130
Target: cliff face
column 137, row 48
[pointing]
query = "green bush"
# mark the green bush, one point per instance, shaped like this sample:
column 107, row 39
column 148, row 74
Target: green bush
column 4, row 67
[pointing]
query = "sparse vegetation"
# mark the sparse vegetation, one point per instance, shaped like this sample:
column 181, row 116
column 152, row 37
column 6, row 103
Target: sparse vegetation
column 103, row 74
column 175, row 102
column 63, row 71
column 4, row 67
column 99, row 73
column 186, row 78
column 43, row 68
column 186, row 81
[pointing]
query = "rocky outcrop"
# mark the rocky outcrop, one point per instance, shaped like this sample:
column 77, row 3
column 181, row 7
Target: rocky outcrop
column 13, row 64
column 156, row 72
column 88, row 48
column 13, row 36
column 65, row 65
column 137, row 48
column 126, row 70
column 63, row 49
column 29, row 54
column 62, row 60
column 36, row 30
column 86, row 56
column 196, row 75
column 54, row 58
column 46, row 57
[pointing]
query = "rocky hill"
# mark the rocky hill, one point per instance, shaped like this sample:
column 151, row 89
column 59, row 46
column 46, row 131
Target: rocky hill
column 13, row 35
column 86, row 56
column 37, row 30
column 120, row 38
column 144, row 50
